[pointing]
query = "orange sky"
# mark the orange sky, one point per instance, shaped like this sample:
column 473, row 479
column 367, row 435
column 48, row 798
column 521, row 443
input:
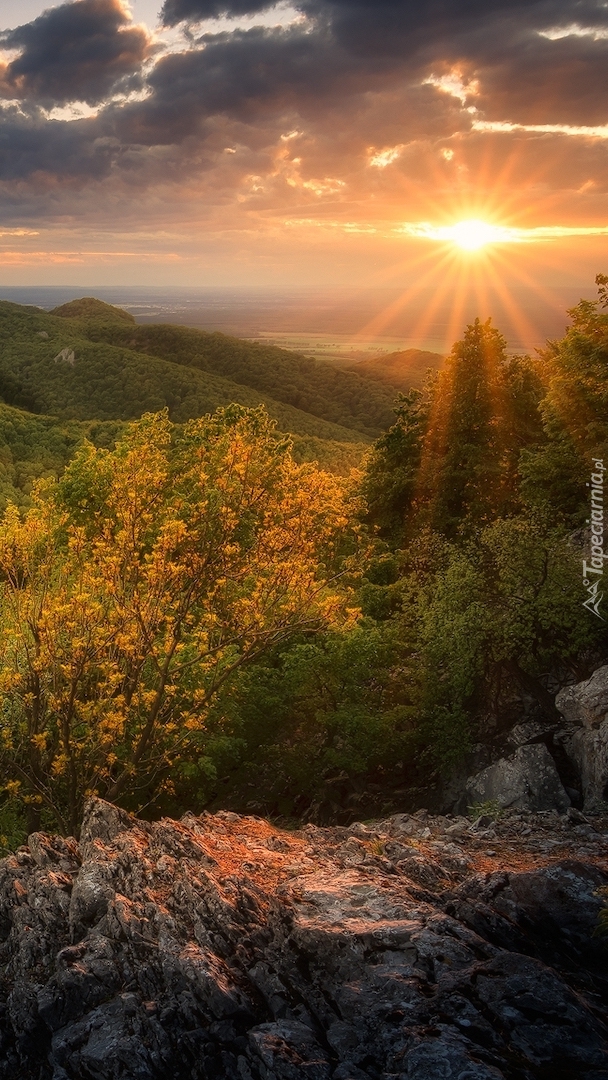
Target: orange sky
column 324, row 142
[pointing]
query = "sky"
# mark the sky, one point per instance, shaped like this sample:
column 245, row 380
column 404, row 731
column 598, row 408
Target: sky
column 305, row 143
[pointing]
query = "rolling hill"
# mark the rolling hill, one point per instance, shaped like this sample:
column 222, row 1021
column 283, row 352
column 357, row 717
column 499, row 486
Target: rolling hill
column 65, row 376
column 50, row 364
column 333, row 395
column 399, row 370
column 82, row 370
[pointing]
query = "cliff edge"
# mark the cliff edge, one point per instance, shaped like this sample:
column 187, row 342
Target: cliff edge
column 415, row 948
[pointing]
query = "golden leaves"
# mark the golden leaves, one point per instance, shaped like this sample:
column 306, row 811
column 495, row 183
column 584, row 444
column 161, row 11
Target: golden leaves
column 144, row 579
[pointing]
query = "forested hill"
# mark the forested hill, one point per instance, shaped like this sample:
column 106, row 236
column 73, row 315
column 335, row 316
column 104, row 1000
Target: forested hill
column 331, row 394
column 54, row 365
column 400, row 370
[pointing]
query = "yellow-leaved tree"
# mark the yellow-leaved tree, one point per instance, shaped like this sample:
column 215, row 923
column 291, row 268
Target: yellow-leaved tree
column 139, row 583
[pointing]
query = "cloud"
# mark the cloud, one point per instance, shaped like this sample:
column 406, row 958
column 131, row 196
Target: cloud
column 75, row 52
column 599, row 131
column 175, row 11
column 360, row 106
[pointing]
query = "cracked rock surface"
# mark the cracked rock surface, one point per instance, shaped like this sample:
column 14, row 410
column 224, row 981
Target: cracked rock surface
column 221, row 947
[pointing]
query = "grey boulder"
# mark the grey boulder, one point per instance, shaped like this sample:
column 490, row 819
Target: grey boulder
column 585, row 707
column 527, row 780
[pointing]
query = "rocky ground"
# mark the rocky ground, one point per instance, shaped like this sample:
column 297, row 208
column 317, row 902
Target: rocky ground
column 418, row 948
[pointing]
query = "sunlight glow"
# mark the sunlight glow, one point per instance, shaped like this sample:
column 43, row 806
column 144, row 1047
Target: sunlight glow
column 381, row 158
column 556, row 33
column 469, row 235
column 454, row 85
column 474, row 234
column 599, row 131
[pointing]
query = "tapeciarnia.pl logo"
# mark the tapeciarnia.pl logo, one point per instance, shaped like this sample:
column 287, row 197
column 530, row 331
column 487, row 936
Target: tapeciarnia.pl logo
column 593, row 571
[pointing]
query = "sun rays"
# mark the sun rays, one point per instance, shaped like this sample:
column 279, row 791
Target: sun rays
column 450, row 289
column 472, row 234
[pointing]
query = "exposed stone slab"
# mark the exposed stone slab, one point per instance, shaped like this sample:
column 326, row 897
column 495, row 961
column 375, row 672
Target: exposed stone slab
column 585, row 706
column 586, row 703
column 528, row 780
column 219, row 948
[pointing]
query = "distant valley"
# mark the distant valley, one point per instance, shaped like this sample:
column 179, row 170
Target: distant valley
column 85, row 368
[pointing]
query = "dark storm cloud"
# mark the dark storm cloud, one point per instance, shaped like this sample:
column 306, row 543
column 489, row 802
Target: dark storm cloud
column 78, row 51
column 175, row 11
column 560, row 82
column 346, row 44
column 366, row 26
column 243, row 73
column 55, row 151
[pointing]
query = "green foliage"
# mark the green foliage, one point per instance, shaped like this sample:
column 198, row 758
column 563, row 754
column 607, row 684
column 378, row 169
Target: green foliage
column 108, row 382
column 90, row 308
column 470, row 588
column 335, row 457
column 574, row 411
column 450, row 462
column 13, row 826
column 393, row 466
column 39, row 447
column 403, row 370
column 312, row 719
column 491, row 808
column 138, row 585
column 334, row 395
column 504, row 607
column 484, row 409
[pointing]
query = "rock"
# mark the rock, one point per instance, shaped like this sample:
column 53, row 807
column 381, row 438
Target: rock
column 66, row 356
column 289, row 1051
column 170, row 960
column 575, row 816
column 459, row 829
column 586, row 705
column 352, row 853
column 403, row 825
column 530, row 731
column 396, row 851
column 526, row 780
column 484, row 821
column 587, row 751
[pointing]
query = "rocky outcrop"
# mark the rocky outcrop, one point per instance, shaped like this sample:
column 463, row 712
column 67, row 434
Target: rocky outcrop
column 528, row 780
column 585, row 709
column 66, row 356
column 586, row 703
column 220, row 947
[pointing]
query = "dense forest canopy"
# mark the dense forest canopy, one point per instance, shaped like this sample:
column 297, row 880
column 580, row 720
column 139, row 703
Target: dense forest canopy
column 401, row 370
column 85, row 361
column 189, row 616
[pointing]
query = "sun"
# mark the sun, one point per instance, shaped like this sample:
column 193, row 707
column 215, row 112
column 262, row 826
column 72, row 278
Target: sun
column 473, row 234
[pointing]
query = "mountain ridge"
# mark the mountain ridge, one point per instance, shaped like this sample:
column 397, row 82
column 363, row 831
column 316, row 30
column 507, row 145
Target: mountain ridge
column 105, row 382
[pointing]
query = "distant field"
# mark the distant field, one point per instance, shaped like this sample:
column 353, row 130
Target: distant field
column 344, row 350
column 328, row 322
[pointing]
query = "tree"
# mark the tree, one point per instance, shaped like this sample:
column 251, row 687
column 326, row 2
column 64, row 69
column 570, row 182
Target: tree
column 391, row 476
column 574, row 412
column 501, row 612
column 450, row 462
column 139, row 584
column 313, row 725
